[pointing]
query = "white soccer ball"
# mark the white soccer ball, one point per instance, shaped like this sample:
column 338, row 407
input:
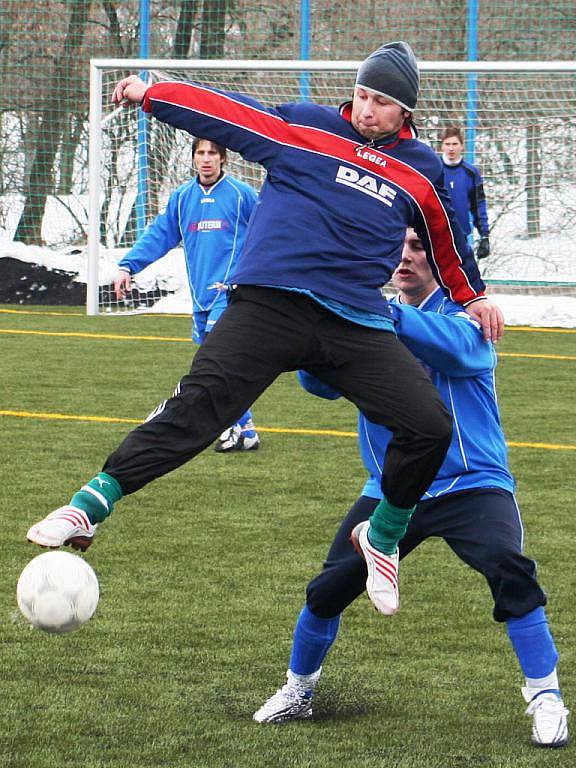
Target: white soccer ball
column 57, row 592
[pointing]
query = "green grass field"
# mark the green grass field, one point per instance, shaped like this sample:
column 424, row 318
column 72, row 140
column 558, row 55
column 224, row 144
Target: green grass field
column 203, row 572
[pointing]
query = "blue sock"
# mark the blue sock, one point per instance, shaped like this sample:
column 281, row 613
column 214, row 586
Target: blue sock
column 533, row 643
column 313, row 638
column 97, row 497
column 245, row 422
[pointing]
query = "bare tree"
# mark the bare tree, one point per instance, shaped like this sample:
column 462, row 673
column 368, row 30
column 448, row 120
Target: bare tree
column 56, row 107
column 157, row 160
column 213, row 30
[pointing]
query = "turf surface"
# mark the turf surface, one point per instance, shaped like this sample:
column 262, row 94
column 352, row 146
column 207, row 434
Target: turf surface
column 203, row 572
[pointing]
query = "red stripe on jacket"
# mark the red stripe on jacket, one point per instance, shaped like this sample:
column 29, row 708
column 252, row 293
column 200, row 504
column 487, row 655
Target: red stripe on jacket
column 226, row 108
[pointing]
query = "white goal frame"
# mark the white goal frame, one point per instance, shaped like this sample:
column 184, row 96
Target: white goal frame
column 197, row 66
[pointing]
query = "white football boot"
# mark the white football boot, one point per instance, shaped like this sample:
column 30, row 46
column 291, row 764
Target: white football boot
column 382, row 581
column 235, row 439
column 65, row 526
column 228, row 440
column 291, row 702
column 550, row 718
column 246, row 443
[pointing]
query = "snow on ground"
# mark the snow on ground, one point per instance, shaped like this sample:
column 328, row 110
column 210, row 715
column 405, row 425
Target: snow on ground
column 554, row 310
column 548, row 311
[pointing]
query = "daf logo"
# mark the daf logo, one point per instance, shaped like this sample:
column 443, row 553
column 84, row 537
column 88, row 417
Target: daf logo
column 367, row 184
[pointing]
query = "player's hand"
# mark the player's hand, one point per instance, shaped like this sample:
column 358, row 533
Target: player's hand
column 483, row 250
column 490, row 317
column 130, row 89
column 218, row 287
column 122, row 285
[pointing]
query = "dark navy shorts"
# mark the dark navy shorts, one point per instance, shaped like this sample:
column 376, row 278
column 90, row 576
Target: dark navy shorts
column 482, row 526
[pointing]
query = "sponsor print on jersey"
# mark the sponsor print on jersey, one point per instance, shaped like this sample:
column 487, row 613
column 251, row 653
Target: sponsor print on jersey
column 207, row 225
column 372, row 157
column 377, row 189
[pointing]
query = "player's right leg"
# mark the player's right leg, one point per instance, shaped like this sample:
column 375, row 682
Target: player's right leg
column 263, row 333
column 341, row 580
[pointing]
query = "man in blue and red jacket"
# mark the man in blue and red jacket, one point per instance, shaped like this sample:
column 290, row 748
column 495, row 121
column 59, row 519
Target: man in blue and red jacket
column 342, row 185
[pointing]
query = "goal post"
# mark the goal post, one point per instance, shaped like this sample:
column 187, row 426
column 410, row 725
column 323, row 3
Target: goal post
column 521, row 127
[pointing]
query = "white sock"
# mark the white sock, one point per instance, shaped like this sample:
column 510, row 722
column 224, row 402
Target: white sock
column 544, row 683
column 304, row 684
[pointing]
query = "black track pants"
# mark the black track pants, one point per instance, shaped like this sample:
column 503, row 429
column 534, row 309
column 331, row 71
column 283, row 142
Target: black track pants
column 265, row 332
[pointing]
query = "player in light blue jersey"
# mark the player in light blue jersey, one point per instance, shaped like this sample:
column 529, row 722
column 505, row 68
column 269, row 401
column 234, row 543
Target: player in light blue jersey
column 209, row 215
column 470, row 504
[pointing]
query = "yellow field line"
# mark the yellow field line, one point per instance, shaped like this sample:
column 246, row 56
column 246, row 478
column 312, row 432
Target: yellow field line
column 187, row 340
column 109, row 336
column 537, row 357
column 543, row 446
column 275, row 430
column 83, row 314
column 538, row 329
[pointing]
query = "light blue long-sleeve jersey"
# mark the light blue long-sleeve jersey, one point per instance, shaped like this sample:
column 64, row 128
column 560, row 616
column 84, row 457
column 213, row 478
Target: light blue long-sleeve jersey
column 461, row 364
column 211, row 223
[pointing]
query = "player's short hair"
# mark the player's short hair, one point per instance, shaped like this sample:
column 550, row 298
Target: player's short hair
column 220, row 149
column 453, row 130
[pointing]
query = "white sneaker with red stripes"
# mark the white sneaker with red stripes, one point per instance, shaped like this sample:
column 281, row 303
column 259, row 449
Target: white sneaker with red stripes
column 65, row 526
column 382, row 581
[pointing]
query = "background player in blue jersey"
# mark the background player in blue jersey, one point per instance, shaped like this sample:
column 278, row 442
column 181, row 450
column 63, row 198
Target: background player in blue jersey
column 209, row 215
column 470, row 504
column 342, row 184
column 466, row 189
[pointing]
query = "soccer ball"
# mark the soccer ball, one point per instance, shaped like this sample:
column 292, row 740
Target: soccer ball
column 57, row 592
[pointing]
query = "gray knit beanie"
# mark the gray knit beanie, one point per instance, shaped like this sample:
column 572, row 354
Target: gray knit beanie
column 392, row 71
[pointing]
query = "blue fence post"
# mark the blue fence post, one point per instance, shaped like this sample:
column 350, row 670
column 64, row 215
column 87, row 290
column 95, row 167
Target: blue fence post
column 472, row 96
column 142, row 190
column 304, row 48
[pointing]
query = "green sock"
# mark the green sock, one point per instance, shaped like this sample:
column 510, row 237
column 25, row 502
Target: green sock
column 387, row 526
column 97, row 497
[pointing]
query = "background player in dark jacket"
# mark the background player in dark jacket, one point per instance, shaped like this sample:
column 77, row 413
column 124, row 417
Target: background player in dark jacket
column 328, row 230
column 466, row 189
column 470, row 504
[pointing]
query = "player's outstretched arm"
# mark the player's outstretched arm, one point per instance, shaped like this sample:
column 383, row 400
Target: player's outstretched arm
column 130, row 89
column 490, row 317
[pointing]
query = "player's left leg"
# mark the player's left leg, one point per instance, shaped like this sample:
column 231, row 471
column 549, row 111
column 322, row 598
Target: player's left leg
column 486, row 532
column 264, row 333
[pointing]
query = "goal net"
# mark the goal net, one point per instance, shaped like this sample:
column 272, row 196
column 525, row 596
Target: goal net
column 519, row 120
